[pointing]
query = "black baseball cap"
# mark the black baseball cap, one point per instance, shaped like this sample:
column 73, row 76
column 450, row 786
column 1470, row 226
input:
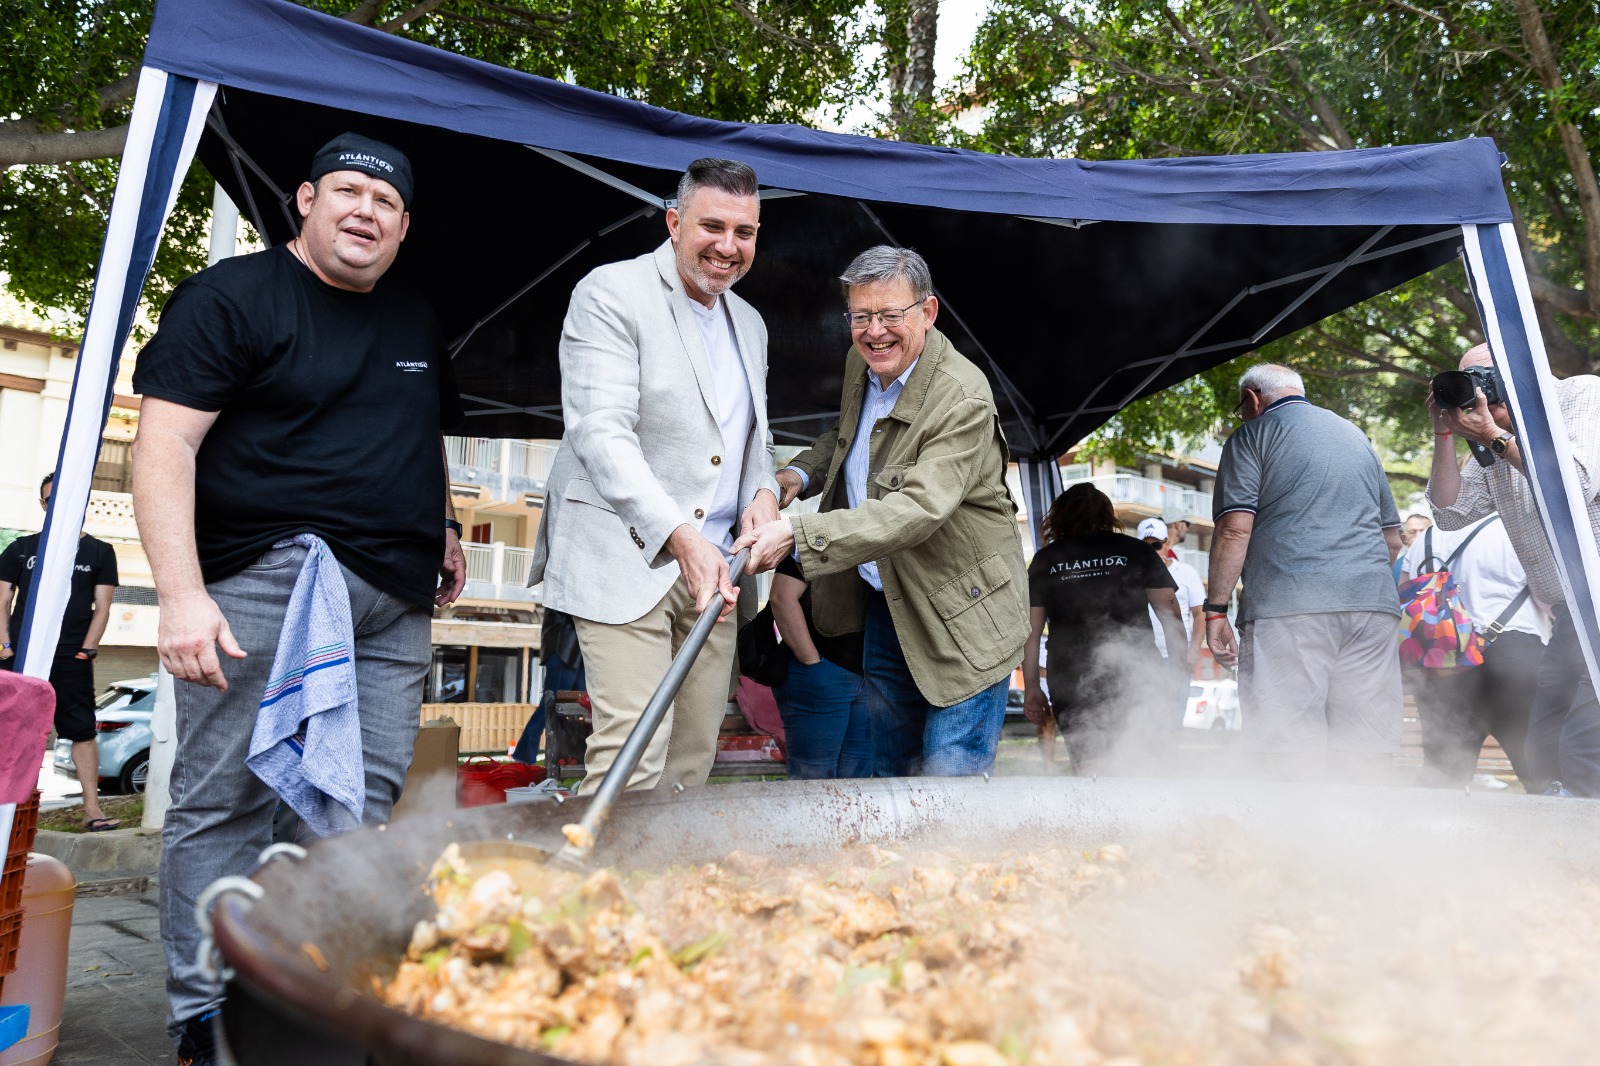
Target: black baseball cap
column 351, row 151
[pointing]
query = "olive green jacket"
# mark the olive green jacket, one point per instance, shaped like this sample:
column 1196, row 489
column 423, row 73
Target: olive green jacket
column 939, row 521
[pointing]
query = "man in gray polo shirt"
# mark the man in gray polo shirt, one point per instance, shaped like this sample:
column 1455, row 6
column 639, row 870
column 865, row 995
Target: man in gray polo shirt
column 1302, row 507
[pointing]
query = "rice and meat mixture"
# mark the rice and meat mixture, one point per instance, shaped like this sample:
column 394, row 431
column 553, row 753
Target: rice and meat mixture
column 1192, row 951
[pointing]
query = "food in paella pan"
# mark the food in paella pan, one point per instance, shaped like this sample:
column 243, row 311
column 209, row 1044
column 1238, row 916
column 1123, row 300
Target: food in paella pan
column 1204, row 949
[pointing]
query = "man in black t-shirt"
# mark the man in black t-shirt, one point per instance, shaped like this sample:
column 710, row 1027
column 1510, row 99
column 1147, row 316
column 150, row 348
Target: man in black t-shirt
column 94, row 579
column 296, row 392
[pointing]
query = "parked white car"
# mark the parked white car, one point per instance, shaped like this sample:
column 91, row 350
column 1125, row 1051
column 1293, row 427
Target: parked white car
column 1212, row 705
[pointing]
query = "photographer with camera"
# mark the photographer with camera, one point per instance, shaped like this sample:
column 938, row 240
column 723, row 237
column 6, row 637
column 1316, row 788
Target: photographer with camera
column 1563, row 746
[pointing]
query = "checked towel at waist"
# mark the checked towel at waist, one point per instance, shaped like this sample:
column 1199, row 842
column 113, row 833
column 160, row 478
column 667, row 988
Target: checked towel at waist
column 307, row 741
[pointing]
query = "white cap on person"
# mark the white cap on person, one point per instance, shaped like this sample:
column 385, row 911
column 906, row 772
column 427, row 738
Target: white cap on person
column 1153, row 527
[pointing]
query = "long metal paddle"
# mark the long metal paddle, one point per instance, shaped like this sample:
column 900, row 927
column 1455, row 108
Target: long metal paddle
column 581, row 837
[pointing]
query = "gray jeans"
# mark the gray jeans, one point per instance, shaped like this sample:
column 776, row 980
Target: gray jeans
column 221, row 813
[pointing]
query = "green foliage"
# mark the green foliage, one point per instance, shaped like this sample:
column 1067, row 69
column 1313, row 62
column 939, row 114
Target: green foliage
column 773, row 61
column 1120, row 79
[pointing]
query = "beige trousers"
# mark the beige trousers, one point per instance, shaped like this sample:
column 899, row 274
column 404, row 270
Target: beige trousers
column 625, row 664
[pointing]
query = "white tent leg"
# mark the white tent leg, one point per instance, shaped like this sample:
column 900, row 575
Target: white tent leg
column 168, row 115
column 1500, row 282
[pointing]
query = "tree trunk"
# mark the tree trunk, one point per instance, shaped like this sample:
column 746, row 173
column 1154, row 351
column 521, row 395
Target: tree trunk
column 911, row 32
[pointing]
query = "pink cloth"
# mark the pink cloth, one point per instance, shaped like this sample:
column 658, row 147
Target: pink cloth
column 761, row 710
column 27, row 706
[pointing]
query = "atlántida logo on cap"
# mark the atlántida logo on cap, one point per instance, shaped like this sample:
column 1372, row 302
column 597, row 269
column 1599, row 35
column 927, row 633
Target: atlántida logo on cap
column 359, row 158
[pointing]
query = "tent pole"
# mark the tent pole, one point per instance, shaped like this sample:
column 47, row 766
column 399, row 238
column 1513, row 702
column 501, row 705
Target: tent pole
column 601, row 176
column 460, row 342
column 168, row 115
column 1328, row 273
column 224, row 226
column 235, row 154
column 1499, row 282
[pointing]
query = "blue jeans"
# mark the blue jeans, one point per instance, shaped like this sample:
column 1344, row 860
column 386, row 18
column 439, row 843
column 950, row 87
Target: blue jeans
column 826, row 724
column 910, row 736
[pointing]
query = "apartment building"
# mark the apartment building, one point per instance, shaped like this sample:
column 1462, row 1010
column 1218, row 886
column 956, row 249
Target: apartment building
column 486, row 644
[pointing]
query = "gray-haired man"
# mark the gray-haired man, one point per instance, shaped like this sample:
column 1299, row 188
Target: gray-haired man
column 1304, row 511
column 917, row 540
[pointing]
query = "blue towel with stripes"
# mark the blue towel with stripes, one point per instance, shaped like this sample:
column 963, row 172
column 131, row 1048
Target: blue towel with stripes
column 307, row 740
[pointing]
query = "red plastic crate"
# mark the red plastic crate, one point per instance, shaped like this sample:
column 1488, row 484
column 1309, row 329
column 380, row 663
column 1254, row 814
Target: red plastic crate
column 11, row 878
column 10, row 940
column 24, row 827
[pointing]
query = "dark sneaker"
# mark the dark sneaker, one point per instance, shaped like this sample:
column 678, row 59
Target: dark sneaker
column 197, row 1040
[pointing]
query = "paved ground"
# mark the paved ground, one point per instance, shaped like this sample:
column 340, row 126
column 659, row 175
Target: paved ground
column 116, row 1005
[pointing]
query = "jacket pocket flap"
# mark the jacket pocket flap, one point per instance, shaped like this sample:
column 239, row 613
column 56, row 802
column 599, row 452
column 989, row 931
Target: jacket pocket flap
column 582, row 490
column 971, row 587
column 891, row 478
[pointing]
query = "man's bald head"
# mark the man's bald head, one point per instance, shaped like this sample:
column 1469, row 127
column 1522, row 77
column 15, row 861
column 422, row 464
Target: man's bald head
column 1477, row 355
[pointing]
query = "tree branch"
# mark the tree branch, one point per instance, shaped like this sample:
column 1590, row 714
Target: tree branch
column 1350, row 351
column 1578, row 161
column 364, row 13
column 1463, row 30
column 33, row 148
column 1337, row 135
column 397, row 24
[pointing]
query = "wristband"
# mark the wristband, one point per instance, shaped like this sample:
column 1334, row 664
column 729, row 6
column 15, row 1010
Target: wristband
column 1214, row 608
column 7, row 647
column 88, row 653
column 451, row 523
column 1214, row 617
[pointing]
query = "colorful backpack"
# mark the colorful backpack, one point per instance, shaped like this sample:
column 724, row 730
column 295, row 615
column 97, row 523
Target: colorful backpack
column 1436, row 633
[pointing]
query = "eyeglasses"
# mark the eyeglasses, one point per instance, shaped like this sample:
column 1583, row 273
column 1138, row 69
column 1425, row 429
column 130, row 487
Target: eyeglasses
column 890, row 319
column 1238, row 409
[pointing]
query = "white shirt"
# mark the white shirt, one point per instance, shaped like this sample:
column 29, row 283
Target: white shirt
column 736, row 415
column 1488, row 574
column 1191, row 593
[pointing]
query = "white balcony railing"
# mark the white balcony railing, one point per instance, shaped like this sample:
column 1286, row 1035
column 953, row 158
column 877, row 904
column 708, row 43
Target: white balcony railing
column 1200, row 560
column 508, row 469
column 531, row 459
column 1164, row 497
column 474, row 453
column 518, row 561
column 496, row 572
column 480, row 561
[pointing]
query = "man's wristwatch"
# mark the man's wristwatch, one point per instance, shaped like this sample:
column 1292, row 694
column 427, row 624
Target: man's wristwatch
column 1501, row 443
column 88, row 653
column 1214, row 608
column 451, row 523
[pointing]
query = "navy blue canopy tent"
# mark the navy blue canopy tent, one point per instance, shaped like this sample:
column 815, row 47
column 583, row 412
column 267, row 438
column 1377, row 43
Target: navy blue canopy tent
column 1079, row 286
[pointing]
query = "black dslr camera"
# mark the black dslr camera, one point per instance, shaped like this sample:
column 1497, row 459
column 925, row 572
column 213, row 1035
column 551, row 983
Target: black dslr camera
column 1458, row 388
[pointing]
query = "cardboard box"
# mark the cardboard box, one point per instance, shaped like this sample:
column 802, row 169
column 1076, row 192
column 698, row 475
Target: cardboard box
column 431, row 781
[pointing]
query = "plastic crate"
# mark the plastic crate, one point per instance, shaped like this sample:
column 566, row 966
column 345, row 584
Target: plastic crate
column 24, row 827
column 11, row 878
column 10, row 940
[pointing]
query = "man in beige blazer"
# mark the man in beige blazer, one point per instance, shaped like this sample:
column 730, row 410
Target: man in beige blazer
column 666, row 458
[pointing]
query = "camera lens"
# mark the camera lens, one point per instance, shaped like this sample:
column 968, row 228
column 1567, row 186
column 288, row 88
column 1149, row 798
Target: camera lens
column 1454, row 388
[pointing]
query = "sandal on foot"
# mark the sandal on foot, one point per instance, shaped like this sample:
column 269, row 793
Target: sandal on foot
column 101, row 825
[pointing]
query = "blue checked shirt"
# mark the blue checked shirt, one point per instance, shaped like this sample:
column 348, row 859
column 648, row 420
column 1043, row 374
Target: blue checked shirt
column 877, row 404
